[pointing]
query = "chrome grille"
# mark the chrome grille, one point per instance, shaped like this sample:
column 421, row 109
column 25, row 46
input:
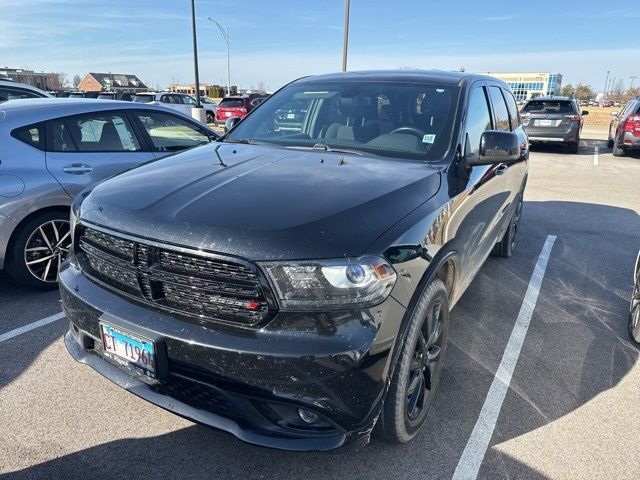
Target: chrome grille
column 196, row 286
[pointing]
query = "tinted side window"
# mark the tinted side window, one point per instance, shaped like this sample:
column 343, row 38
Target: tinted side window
column 499, row 109
column 31, row 135
column 514, row 116
column 8, row 93
column 176, row 98
column 478, row 119
column 167, row 99
column 172, row 134
column 92, row 133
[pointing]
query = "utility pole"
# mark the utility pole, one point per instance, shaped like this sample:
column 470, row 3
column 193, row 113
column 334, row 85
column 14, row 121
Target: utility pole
column 606, row 83
column 195, row 52
column 345, row 47
column 632, row 79
column 225, row 35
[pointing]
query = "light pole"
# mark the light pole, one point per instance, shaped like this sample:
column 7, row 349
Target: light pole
column 347, row 7
column 632, row 79
column 606, row 83
column 225, row 35
column 195, row 52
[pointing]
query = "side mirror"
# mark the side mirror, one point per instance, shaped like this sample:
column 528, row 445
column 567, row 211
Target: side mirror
column 497, row 147
column 230, row 123
column 584, row 112
column 614, row 114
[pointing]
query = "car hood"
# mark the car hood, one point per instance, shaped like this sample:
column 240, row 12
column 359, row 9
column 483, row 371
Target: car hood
column 263, row 203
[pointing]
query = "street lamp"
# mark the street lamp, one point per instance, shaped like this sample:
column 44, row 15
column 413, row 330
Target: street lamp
column 347, row 7
column 606, row 83
column 225, row 35
column 195, row 53
column 632, row 79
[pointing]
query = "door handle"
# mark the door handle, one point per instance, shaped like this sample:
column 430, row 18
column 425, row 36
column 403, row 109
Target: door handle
column 501, row 169
column 77, row 169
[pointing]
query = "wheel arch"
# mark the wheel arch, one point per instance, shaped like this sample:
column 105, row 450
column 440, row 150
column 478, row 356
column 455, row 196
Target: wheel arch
column 28, row 218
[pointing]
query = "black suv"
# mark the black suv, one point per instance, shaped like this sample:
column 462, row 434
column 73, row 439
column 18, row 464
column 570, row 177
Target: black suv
column 293, row 286
column 624, row 129
column 553, row 119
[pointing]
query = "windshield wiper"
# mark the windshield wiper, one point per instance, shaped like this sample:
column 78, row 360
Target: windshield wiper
column 246, row 141
column 326, row 148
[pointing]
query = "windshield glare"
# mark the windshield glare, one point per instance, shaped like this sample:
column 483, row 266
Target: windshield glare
column 403, row 120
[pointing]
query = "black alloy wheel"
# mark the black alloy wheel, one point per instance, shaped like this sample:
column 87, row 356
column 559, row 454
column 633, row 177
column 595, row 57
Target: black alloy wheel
column 419, row 366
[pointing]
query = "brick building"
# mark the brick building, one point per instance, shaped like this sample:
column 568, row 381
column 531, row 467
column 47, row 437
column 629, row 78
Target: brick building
column 113, row 82
column 41, row 80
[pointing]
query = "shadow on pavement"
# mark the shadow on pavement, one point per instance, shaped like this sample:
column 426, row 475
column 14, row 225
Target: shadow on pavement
column 575, row 349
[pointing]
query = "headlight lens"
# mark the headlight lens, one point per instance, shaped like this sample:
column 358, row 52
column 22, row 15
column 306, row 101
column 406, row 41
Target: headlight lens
column 331, row 284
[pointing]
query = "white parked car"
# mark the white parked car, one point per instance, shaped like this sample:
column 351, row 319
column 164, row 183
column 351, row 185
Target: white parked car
column 178, row 101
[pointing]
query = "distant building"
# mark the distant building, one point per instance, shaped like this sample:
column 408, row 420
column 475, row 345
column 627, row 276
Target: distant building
column 529, row 85
column 114, row 82
column 41, row 80
column 206, row 89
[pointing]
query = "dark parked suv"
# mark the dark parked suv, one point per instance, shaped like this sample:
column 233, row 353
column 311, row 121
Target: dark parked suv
column 553, row 119
column 294, row 287
column 624, row 129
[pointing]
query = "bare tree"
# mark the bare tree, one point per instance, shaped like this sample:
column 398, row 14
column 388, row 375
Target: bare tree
column 567, row 90
column 76, row 80
column 617, row 91
column 63, row 80
column 584, row 92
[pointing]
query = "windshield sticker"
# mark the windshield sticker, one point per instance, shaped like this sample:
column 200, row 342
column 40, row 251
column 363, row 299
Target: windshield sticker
column 429, row 138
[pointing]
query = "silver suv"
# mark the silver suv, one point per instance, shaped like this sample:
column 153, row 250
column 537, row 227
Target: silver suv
column 52, row 149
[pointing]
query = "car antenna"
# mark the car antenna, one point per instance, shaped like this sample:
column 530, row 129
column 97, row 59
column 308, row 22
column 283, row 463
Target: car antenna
column 219, row 157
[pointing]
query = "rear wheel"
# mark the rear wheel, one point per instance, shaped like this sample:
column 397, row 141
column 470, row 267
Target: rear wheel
column 610, row 143
column 506, row 246
column 618, row 151
column 634, row 313
column 573, row 146
column 211, row 118
column 418, row 368
column 38, row 249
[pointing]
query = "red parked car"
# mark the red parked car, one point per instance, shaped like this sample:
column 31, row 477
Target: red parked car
column 238, row 106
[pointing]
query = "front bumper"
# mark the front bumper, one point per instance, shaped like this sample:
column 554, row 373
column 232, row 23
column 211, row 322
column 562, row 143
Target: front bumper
column 335, row 365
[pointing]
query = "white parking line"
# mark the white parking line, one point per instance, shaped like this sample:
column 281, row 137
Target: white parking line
column 31, row 326
column 474, row 452
column 595, row 155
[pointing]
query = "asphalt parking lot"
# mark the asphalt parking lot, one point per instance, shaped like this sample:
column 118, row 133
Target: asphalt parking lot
column 572, row 409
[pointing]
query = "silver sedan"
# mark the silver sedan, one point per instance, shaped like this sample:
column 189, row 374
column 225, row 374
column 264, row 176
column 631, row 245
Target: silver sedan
column 52, row 149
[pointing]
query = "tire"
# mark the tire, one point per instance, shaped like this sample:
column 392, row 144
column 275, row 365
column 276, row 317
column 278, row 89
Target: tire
column 211, row 118
column 634, row 314
column 617, row 151
column 418, row 368
column 609, row 143
column 573, row 147
column 38, row 248
column 506, row 246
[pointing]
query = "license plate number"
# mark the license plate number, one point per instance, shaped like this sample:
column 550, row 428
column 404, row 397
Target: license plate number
column 545, row 123
column 129, row 349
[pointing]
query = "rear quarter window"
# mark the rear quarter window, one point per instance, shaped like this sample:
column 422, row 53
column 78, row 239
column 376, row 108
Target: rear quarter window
column 31, row 135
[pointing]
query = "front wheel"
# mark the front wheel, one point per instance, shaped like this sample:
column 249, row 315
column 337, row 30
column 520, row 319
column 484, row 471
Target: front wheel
column 38, row 249
column 211, row 118
column 634, row 313
column 418, row 368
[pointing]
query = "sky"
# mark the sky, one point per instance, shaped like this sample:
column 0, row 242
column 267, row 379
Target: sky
column 276, row 41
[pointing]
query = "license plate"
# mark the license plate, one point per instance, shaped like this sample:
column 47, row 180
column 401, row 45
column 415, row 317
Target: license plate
column 545, row 123
column 227, row 114
column 128, row 349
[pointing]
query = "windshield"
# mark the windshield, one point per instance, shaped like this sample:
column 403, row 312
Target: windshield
column 106, row 96
column 232, row 102
column 549, row 106
column 143, row 98
column 402, row 120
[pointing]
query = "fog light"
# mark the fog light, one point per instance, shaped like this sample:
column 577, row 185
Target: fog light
column 307, row 416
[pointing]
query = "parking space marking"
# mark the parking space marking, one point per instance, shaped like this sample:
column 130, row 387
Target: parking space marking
column 474, row 452
column 596, row 151
column 31, row 326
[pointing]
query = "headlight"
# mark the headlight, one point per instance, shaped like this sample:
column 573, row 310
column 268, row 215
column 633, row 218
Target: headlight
column 331, row 284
